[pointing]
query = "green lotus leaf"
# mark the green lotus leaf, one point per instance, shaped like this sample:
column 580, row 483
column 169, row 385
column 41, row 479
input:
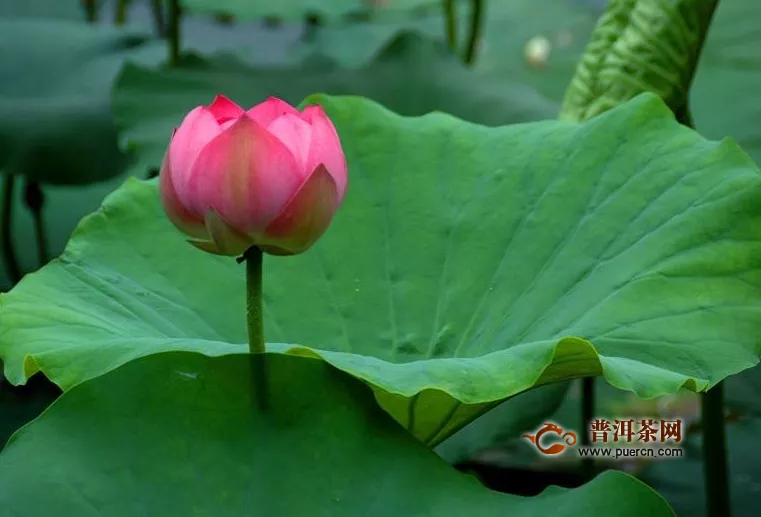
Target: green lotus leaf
column 467, row 264
column 183, row 434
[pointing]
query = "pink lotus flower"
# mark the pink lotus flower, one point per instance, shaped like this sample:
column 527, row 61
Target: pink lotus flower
column 270, row 177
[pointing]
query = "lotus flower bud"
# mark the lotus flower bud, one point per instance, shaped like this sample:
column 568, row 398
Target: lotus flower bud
column 271, row 177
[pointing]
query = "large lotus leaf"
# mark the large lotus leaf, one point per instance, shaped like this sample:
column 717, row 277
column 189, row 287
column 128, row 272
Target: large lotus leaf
column 55, row 86
column 299, row 9
column 467, row 264
column 413, row 76
column 182, row 434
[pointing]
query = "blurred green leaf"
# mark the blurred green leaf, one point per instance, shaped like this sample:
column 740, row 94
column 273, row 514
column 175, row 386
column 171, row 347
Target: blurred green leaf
column 66, row 9
column 725, row 98
column 21, row 404
column 64, row 207
column 742, row 394
column 467, row 264
column 509, row 26
column 503, row 424
column 681, row 480
column 412, row 76
column 56, row 124
column 299, row 9
column 181, row 434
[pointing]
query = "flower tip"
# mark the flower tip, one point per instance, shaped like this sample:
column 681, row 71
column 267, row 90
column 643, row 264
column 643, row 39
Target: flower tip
column 221, row 99
column 223, row 109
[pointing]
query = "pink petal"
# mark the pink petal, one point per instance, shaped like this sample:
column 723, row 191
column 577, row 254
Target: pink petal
column 246, row 175
column 295, row 134
column 271, row 109
column 325, row 147
column 177, row 213
column 197, row 130
column 224, row 109
column 305, row 218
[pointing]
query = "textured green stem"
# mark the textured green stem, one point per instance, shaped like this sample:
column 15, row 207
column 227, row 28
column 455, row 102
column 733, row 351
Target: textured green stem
column 91, row 10
column 587, row 415
column 474, row 34
column 715, row 462
column 255, row 324
column 34, row 198
column 254, row 318
column 450, row 18
column 157, row 9
column 173, row 32
column 6, row 230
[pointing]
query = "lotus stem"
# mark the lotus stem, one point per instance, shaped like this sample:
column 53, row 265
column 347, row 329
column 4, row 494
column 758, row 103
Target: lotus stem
column 157, row 8
column 34, row 198
column 91, row 10
column 120, row 15
column 6, row 230
column 587, row 415
column 255, row 322
column 312, row 24
column 173, row 32
column 715, row 464
column 476, row 26
column 450, row 18
column 254, row 262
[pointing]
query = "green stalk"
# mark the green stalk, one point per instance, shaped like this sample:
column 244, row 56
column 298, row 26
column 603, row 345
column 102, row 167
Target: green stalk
column 476, row 26
column 254, row 262
column 312, row 24
column 91, row 10
column 173, row 32
column 35, row 201
column 255, row 322
column 157, row 9
column 120, row 15
column 715, row 464
column 587, row 415
column 451, row 24
column 6, row 230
